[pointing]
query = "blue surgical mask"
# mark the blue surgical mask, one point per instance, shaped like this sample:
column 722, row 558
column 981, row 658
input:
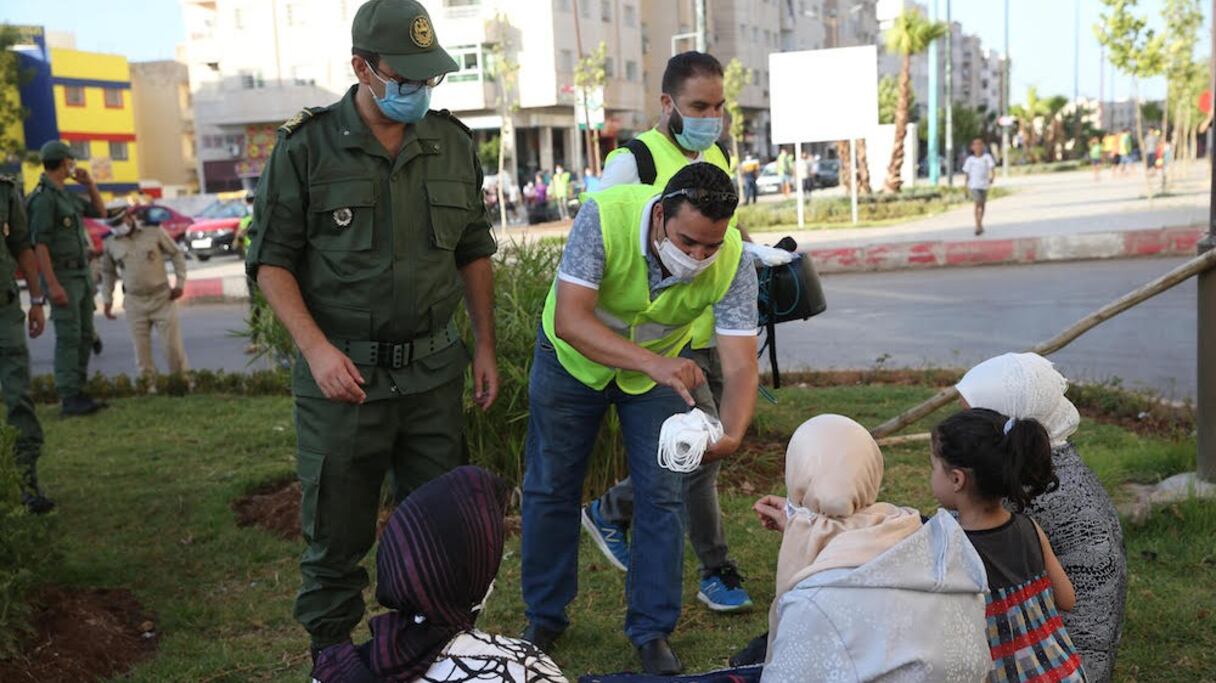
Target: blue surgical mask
column 698, row 133
column 401, row 105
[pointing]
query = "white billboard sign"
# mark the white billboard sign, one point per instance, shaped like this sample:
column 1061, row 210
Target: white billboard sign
column 823, row 95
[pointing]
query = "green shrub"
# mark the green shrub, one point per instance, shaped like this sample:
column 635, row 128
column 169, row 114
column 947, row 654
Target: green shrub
column 25, row 549
column 523, row 274
column 918, row 201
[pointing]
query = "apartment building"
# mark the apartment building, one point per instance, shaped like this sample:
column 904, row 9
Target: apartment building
column 84, row 99
column 976, row 74
column 164, row 125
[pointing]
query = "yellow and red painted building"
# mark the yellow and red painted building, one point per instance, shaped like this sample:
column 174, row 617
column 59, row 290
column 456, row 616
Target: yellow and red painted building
column 84, row 99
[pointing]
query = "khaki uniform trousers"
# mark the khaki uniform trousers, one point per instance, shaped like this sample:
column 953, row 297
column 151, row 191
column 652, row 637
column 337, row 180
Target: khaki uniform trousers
column 155, row 310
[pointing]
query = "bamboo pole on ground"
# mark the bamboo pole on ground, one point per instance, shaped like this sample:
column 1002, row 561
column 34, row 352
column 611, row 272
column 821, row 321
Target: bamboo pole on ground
column 1171, row 279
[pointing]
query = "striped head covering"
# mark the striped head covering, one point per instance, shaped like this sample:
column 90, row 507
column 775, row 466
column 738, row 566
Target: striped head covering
column 438, row 558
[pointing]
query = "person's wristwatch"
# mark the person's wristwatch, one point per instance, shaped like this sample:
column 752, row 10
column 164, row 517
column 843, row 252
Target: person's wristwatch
column 38, row 300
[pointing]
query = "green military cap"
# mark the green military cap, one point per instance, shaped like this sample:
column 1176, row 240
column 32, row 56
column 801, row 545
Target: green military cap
column 56, row 150
column 401, row 32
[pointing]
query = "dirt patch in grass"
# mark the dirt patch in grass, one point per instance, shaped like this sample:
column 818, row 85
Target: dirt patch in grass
column 274, row 507
column 847, row 378
column 82, row 635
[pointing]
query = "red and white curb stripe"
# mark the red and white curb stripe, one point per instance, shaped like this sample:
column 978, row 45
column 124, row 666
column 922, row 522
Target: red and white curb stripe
column 905, row 255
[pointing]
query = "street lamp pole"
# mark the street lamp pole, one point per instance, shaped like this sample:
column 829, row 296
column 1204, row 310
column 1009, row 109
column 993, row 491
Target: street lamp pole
column 1005, row 98
column 949, row 98
column 931, row 157
column 1205, row 414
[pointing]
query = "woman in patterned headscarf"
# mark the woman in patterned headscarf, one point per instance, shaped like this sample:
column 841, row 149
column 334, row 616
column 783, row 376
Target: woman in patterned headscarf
column 1079, row 518
column 436, row 565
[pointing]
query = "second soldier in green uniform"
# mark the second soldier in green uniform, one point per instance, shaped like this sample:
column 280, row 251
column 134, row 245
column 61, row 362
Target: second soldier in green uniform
column 368, row 228
column 14, row 354
column 62, row 245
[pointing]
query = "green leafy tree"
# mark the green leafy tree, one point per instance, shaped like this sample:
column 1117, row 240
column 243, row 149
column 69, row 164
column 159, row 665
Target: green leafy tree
column 1133, row 48
column 1183, row 19
column 12, row 114
column 591, row 73
column 503, row 67
column 1029, row 117
column 911, row 34
column 734, row 79
column 888, row 99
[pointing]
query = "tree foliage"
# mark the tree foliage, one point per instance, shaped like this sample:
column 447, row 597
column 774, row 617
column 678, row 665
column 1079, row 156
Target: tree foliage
column 503, row 67
column 888, row 99
column 12, row 114
column 734, row 79
column 590, row 73
column 910, row 34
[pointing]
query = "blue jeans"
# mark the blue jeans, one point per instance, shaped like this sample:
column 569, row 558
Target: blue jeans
column 564, row 420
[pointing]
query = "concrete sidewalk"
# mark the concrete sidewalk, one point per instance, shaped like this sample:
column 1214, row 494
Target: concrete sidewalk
column 1053, row 217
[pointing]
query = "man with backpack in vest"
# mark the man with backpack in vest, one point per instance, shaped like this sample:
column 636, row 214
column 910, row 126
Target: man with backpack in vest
column 688, row 132
column 640, row 267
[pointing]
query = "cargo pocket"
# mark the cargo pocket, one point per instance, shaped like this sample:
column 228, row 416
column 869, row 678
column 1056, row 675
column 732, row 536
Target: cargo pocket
column 342, row 215
column 449, row 208
column 310, row 467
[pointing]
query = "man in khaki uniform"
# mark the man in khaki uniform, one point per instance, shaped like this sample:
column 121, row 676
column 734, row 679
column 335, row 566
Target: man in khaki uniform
column 369, row 227
column 137, row 254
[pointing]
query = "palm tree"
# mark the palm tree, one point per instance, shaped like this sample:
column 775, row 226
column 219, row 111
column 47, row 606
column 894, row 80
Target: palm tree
column 910, row 35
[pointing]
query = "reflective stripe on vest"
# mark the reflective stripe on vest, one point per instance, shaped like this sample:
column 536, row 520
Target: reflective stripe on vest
column 663, row 325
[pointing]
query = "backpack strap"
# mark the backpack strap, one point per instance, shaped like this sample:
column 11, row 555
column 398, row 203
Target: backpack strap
column 645, row 161
column 725, row 152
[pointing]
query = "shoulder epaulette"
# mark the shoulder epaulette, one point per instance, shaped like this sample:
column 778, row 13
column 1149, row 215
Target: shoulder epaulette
column 8, row 179
column 303, row 116
column 452, row 117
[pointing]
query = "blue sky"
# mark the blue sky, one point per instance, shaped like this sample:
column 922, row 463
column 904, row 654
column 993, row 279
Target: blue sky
column 1041, row 35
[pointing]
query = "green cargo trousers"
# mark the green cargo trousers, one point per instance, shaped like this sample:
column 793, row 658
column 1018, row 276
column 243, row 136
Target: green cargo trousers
column 15, row 385
column 343, row 454
column 73, row 335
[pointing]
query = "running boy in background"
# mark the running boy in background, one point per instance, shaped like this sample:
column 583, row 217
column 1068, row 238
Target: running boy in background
column 980, row 169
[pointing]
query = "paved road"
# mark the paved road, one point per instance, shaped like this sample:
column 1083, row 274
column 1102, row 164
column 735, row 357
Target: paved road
column 957, row 317
column 953, row 317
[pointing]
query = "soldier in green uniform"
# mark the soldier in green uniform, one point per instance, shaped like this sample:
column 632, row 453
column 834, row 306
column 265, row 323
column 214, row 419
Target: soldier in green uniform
column 368, row 228
column 62, row 246
column 14, row 355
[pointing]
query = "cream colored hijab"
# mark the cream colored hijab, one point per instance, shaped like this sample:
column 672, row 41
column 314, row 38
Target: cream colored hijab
column 833, row 469
column 1023, row 386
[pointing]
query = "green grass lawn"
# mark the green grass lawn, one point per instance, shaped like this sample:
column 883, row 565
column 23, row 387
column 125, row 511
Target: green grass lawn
column 145, row 487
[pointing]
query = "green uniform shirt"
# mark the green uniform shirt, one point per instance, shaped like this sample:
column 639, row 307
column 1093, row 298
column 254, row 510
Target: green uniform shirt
column 374, row 242
column 56, row 220
column 16, row 232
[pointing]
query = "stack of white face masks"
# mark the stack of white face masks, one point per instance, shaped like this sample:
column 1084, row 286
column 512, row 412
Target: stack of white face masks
column 684, row 439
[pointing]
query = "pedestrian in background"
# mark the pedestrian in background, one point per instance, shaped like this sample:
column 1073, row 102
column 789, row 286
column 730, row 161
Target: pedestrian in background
column 1095, row 156
column 136, row 253
column 369, row 227
column 591, row 182
column 56, row 219
column 980, row 169
column 785, row 168
column 751, row 173
column 561, row 192
column 14, row 354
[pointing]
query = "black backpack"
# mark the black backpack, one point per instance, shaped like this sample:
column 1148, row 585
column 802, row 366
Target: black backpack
column 645, row 160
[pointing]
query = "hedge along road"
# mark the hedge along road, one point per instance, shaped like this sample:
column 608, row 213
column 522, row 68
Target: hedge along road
column 944, row 317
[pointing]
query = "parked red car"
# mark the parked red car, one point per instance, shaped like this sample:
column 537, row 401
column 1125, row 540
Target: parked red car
column 214, row 229
column 171, row 221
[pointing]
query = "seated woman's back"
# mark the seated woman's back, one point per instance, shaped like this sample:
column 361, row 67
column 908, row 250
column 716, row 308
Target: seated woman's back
column 914, row 613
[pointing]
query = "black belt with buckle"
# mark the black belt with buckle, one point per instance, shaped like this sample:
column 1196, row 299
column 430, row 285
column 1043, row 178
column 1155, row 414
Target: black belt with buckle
column 397, row 355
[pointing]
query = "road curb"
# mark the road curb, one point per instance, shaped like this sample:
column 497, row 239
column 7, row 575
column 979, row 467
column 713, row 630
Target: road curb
column 983, row 252
column 903, row 255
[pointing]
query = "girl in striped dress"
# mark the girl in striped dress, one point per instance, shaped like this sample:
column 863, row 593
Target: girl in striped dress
column 981, row 458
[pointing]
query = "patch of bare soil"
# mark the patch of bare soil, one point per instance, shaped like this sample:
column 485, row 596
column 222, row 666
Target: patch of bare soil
column 274, row 507
column 82, row 635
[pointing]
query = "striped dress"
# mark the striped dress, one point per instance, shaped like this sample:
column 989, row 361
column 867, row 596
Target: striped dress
column 1026, row 634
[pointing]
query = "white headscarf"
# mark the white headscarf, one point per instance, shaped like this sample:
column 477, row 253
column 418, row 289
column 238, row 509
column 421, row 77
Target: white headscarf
column 1023, row 386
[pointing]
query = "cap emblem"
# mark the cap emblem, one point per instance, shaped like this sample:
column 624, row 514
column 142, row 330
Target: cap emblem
column 421, row 33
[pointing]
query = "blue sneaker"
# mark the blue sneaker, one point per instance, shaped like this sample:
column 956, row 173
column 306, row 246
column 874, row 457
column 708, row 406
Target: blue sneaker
column 609, row 538
column 722, row 591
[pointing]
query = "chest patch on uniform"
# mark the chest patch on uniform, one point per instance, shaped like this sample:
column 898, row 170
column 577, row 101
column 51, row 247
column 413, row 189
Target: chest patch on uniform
column 343, row 217
column 151, row 255
column 6, row 229
column 67, row 221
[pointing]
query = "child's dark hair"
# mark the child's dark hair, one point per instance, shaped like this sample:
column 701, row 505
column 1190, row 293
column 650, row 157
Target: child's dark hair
column 1014, row 464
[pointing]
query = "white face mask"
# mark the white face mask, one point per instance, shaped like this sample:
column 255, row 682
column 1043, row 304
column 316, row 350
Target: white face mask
column 121, row 230
column 679, row 264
